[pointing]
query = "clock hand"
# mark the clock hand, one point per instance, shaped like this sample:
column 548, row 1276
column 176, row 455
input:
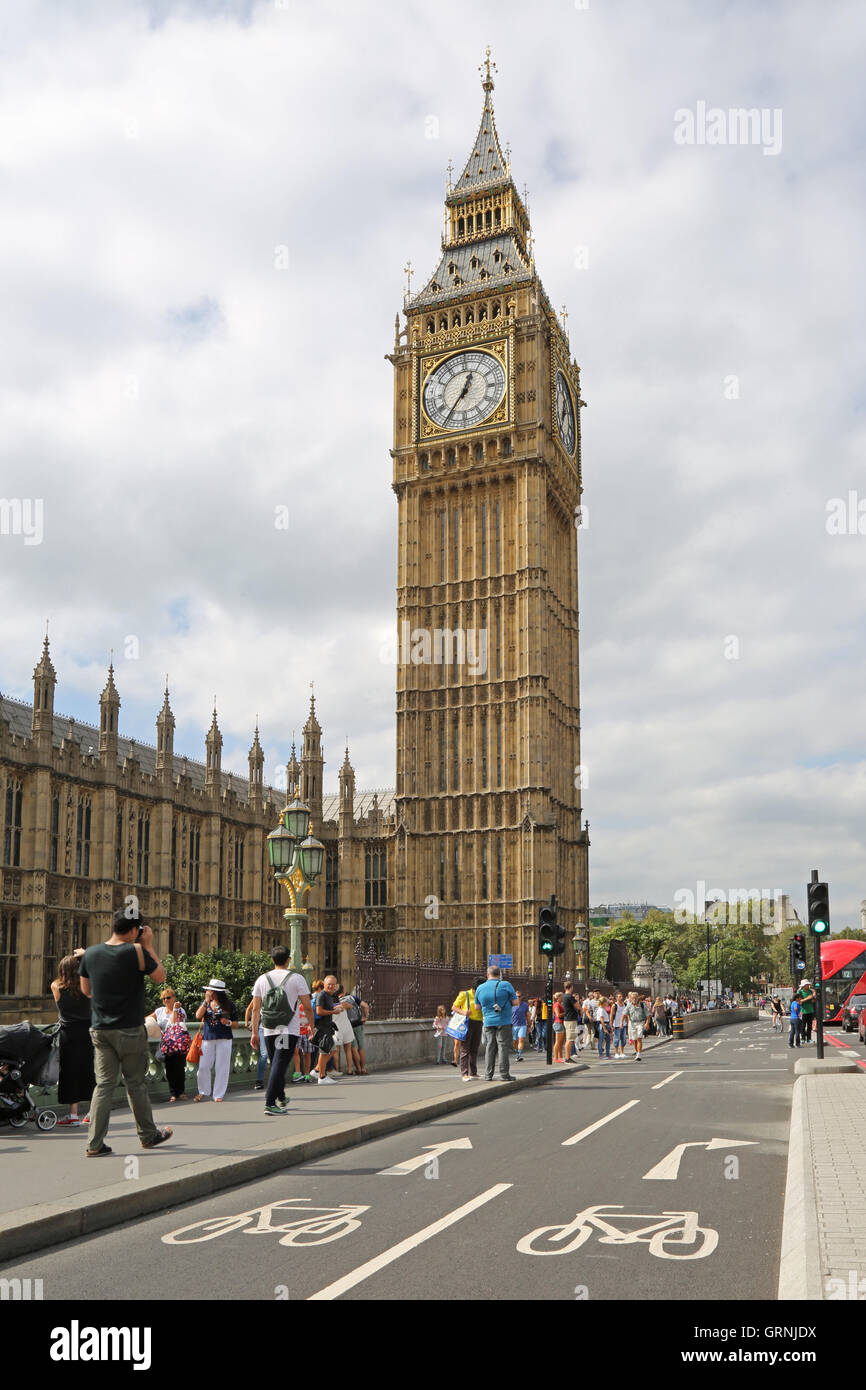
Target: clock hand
column 458, row 400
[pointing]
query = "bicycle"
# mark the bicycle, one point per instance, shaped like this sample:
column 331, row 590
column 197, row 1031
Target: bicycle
column 777, row 1023
column 669, row 1229
column 321, row 1224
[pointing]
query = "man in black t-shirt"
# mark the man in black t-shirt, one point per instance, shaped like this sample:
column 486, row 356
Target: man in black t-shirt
column 112, row 976
column 327, row 1005
column 571, row 1019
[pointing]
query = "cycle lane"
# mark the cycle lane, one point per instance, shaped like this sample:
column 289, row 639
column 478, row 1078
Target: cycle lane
column 519, row 1176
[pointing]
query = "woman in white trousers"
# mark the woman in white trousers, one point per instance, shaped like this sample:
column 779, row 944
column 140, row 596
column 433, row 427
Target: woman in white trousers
column 219, row 1016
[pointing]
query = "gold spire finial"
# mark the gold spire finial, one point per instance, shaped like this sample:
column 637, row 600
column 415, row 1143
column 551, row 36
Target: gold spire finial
column 487, row 84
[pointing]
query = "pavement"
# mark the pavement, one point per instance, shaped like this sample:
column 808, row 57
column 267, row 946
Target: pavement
column 823, row 1253
column 662, row 1181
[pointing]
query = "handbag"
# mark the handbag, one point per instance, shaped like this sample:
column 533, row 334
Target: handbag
column 458, row 1026
column 194, row 1054
column 175, row 1039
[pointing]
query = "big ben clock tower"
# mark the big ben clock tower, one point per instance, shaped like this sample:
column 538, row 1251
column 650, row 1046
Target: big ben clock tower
column 487, row 473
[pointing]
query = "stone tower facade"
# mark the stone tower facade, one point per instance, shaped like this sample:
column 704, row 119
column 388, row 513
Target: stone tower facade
column 487, row 474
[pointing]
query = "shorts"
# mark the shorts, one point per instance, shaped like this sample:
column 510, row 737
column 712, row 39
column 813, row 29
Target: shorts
column 305, row 1046
column 635, row 1031
column 571, row 1032
column 518, row 1033
column 358, row 1033
column 559, row 1027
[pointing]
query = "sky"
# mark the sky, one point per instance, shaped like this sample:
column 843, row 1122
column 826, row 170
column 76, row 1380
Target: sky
column 205, row 211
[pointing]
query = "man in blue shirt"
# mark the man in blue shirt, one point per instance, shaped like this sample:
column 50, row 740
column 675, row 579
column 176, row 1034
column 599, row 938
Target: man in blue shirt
column 794, row 1030
column 494, row 998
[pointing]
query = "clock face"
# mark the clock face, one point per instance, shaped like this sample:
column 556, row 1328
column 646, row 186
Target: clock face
column 565, row 414
column 464, row 390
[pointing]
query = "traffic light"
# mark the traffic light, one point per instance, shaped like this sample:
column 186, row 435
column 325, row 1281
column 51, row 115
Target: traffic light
column 797, row 951
column 547, row 929
column 818, row 895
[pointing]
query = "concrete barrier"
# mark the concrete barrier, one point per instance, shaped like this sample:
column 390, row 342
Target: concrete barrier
column 716, row 1018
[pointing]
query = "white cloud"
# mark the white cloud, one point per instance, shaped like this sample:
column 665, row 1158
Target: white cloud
column 164, row 387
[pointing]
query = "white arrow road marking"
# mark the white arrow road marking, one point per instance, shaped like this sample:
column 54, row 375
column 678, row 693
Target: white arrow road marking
column 576, row 1138
column 431, row 1151
column 364, row 1271
column 672, row 1077
column 669, row 1167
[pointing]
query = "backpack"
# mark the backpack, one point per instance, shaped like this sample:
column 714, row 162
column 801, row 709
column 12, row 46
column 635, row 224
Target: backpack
column 277, row 1012
column 353, row 1013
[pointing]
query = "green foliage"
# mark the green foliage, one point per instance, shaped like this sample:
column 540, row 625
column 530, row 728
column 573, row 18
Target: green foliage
column 744, row 951
column 189, row 975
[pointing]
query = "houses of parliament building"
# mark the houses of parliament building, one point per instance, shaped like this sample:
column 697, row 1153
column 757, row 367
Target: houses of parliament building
column 484, row 823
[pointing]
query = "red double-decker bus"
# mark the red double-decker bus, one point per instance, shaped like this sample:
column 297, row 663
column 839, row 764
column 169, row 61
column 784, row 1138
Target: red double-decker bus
column 843, row 964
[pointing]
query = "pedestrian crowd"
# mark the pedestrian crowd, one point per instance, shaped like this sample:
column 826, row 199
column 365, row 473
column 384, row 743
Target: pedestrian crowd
column 104, row 1035
column 493, row 1015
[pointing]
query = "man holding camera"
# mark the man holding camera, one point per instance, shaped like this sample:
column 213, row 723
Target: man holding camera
column 112, row 976
column 495, row 999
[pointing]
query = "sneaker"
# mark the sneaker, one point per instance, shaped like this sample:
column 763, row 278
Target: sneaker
column 259, row 1086
column 297, row 1076
column 68, row 1120
column 274, row 1110
column 327, row 1081
column 637, row 1057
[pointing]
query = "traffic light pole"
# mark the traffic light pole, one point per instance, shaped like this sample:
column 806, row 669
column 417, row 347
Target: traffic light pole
column 549, row 1036
column 819, row 988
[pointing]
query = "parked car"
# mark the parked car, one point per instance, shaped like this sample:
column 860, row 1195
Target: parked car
column 852, row 1011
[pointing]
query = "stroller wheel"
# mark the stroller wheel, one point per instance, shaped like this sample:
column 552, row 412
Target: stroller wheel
column 46, row 1119
column 19, row 1121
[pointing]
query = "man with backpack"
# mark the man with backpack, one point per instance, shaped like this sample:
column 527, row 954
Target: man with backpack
column 635, row 1016
column 277, row 996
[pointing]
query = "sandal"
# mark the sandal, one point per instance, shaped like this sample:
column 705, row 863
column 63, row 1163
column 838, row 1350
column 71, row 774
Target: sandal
column 97, row 1153
column 161, row 1136
column 198, row 1098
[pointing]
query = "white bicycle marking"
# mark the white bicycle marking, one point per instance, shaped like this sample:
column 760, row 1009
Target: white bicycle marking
column 669, row 1229
column 311, row 1226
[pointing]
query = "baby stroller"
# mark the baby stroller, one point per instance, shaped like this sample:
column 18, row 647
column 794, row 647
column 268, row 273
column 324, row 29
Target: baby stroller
column 25, row 1052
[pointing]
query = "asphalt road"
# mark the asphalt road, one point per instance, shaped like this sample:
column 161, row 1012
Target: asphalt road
column 498, row 1216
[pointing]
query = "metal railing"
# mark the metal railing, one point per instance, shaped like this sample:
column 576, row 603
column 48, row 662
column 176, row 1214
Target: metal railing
column 412, row 988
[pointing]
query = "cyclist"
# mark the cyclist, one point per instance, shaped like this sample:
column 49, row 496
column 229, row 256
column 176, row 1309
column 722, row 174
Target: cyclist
column 776, row 1007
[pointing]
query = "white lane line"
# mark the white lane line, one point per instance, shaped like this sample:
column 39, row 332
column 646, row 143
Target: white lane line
column 709, row 1049
column 364, row 1271
column 590, row 1129
column 673, row 1076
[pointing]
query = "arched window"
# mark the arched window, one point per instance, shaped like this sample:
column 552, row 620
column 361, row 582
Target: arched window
column 431, row 325
column 443, row 322
column 488, row 218
column 452, row 456
column 461, row 227
column 497, row 216
column 497, row 309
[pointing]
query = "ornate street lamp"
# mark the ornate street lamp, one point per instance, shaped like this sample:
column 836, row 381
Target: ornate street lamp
column 579, row 944
column 296, row 858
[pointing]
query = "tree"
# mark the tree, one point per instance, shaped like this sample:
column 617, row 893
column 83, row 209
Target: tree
column 189, row 975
